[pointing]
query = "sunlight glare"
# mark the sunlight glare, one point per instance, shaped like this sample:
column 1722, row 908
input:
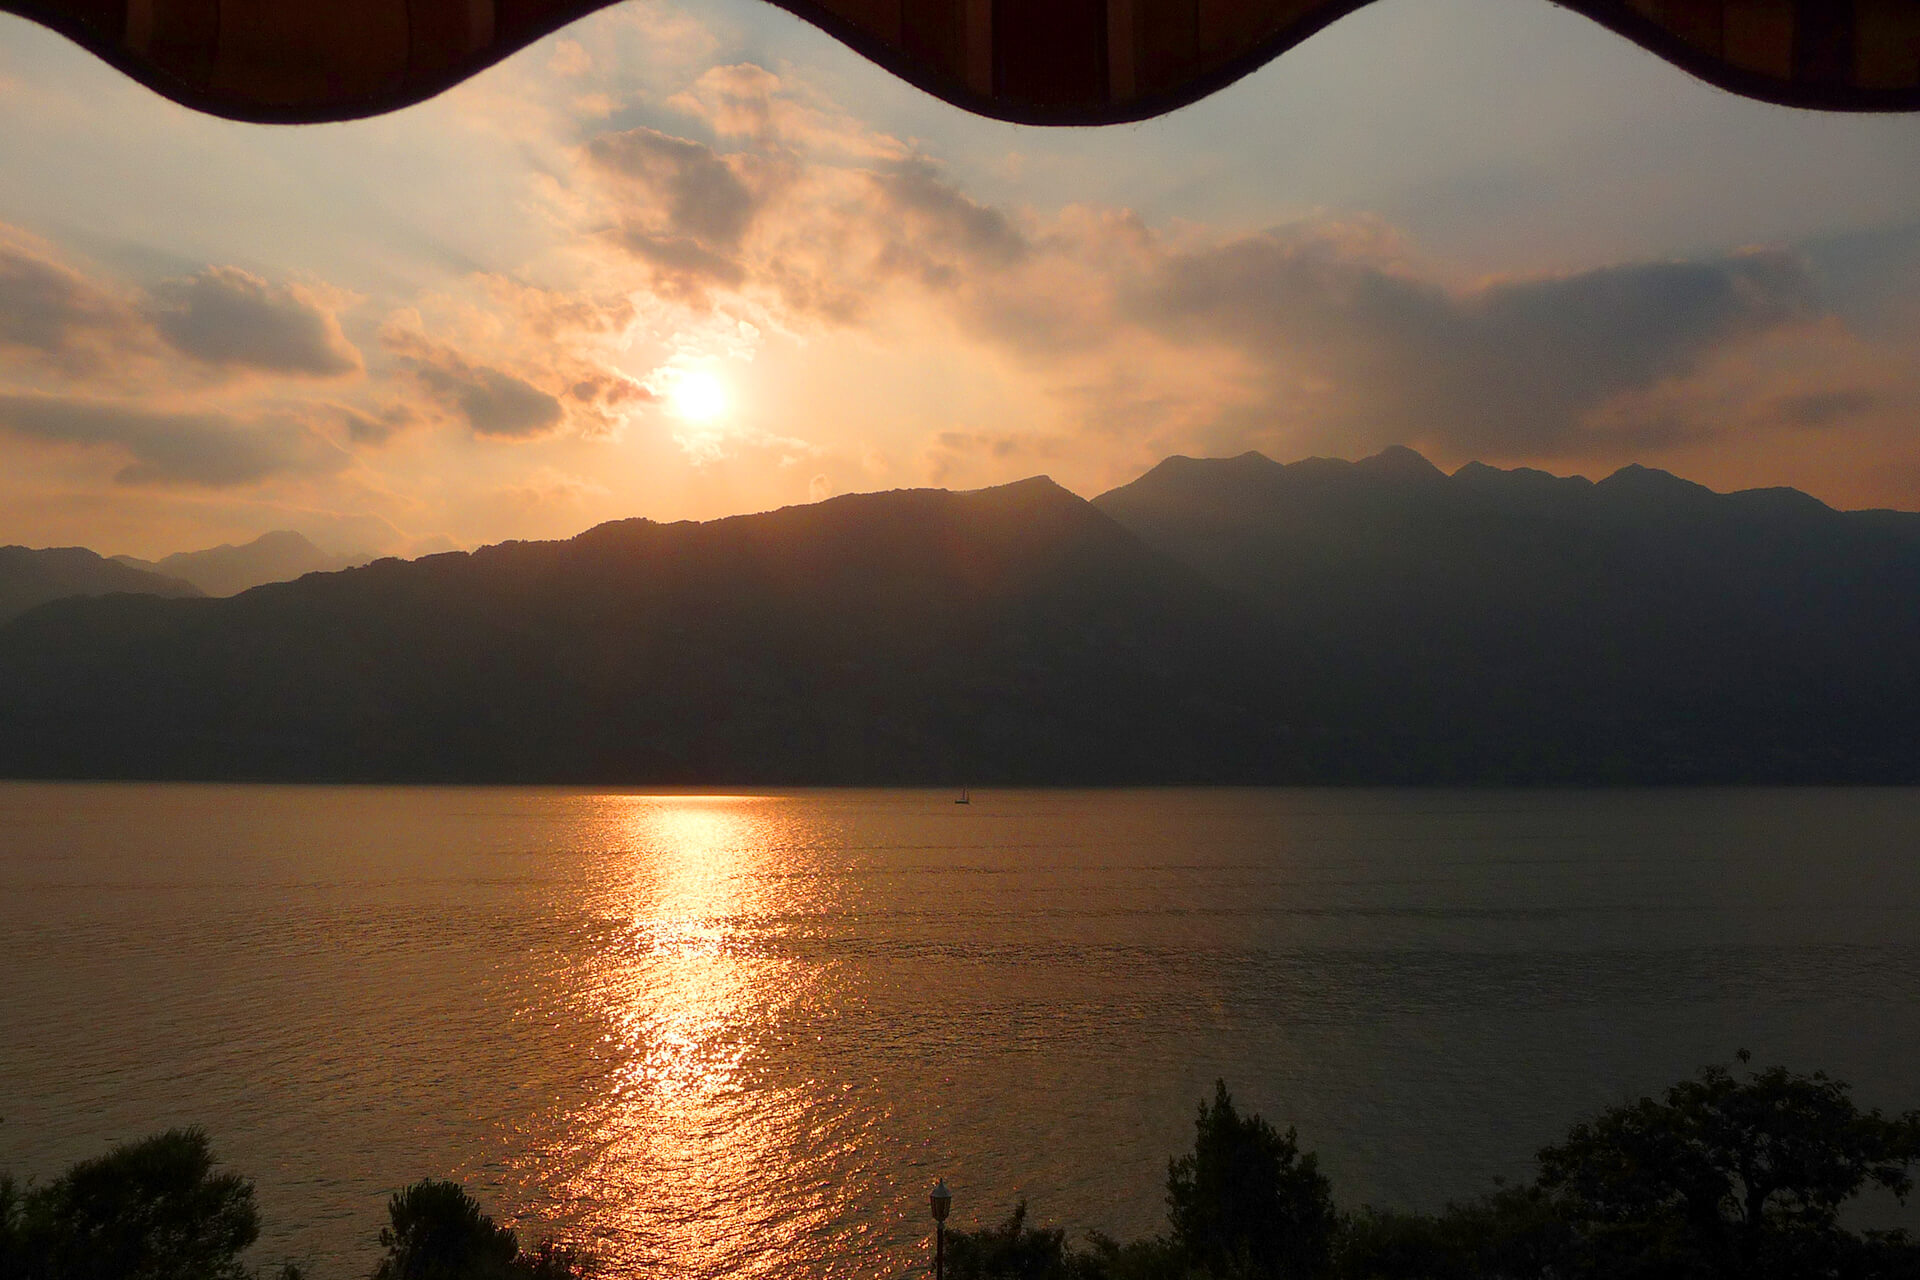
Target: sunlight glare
column 697, row 396
column 691, row 974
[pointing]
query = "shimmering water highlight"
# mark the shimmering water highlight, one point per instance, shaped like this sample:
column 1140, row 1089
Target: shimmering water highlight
column 738, row 1035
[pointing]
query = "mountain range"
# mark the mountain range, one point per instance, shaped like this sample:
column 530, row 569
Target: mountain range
column 1217, row 620
column 227, row 570
column 32, row 576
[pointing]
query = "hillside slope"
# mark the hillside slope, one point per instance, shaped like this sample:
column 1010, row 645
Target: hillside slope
column 1510, row 624
column 1013, row 633
column 30, row 577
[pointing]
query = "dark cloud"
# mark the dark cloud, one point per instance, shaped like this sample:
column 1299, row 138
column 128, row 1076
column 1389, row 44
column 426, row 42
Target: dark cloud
column 1816, row 409
column 683, row 268
column 1871, row 278
column 494, row 402
column 916, row 187
column 211, row 449
column 937, row 230
column 49, row 310
column 373, row 428
column 1511, row 367
column 228, row 317
column 609, row 389
column 699, row 191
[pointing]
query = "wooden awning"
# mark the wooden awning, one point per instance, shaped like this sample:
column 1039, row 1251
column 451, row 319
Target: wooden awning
column 1035, row 61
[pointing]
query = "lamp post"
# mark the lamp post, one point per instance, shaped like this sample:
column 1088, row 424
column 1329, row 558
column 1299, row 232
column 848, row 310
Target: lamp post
column 941, row 1200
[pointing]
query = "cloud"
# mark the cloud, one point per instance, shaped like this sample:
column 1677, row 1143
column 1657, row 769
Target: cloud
column 951, row 453
column 1813, row 409
column 227, row 317
column 570, row 58
column 49, row 310
column 609, row 391
column 748, row 101
column 683, row 268
column 1378, row 351
column 205, row 448
column 700, row 192
column 553, row 314
column 1324, row 335
column 373, row 428
column 941, row 217
column 493, row 401
column 683, row 209
column 549, row 487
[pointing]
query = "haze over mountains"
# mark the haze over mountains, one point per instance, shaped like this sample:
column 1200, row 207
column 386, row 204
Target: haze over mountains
column 228, row 570
column 1225, row 620
column 33, row 576
column 30, row 577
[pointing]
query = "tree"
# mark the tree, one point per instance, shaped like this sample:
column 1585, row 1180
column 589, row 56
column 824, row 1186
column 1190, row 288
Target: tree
column 13, row 1260
column 1246, row 1201
column 436, row 1231
column 148, row 1210
column 1011, row 1251
column 1732, row 1178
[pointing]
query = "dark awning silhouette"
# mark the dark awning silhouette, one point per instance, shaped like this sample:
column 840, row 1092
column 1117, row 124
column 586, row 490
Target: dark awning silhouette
column 1035, row 61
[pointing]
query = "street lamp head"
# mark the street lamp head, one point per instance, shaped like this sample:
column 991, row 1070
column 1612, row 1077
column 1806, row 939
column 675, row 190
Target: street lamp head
column 941, row 1199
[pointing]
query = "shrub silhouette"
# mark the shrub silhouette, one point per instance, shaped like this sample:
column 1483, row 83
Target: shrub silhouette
column 1011, row 1251
column 1724, row 1178
column 436, row 1231
column 1245, row 1204
column 148, row 1210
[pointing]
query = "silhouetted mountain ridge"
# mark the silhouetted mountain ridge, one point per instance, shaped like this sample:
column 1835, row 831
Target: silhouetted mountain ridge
column 1640, row 627
column 1225, row 620
column 30, row 577
column 917, row 635
column 227, row 570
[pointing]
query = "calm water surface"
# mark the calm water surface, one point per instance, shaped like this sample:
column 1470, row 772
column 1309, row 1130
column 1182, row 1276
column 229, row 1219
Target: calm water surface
column 739, row 1035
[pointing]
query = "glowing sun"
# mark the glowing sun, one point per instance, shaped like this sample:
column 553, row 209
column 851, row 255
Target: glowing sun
column 697, row 396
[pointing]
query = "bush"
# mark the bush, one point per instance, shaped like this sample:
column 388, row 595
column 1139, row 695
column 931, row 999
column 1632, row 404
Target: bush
column 149, row 1210
column 1725, row 1177
column 1011, row 1251
column 1513, row 1234
column 436, row 1231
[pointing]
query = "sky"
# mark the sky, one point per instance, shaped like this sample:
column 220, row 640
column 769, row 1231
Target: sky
column 688, row 258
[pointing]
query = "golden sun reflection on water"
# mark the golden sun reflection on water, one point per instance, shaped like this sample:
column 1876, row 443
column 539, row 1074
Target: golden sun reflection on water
column 698, row 1153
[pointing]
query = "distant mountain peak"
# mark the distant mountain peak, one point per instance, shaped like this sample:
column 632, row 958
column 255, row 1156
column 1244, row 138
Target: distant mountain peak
column 225, row 570
column 1491, row 479
column 1399, row 460
column 1030, row 486
column 1636, row 480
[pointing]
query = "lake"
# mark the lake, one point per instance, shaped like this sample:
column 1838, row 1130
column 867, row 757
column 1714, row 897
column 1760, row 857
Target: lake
column 721, row 1035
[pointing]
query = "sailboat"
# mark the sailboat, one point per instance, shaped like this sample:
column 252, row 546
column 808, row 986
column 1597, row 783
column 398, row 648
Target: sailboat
column 964, row 798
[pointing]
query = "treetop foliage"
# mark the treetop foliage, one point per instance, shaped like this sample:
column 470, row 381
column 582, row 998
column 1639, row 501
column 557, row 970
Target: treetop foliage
column 1728, row 1177
column 149, row 1210
column 1245, row 1200
column 436, row 1231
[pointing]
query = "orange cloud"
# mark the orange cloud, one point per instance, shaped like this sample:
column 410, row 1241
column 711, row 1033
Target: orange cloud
column 231, row 318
